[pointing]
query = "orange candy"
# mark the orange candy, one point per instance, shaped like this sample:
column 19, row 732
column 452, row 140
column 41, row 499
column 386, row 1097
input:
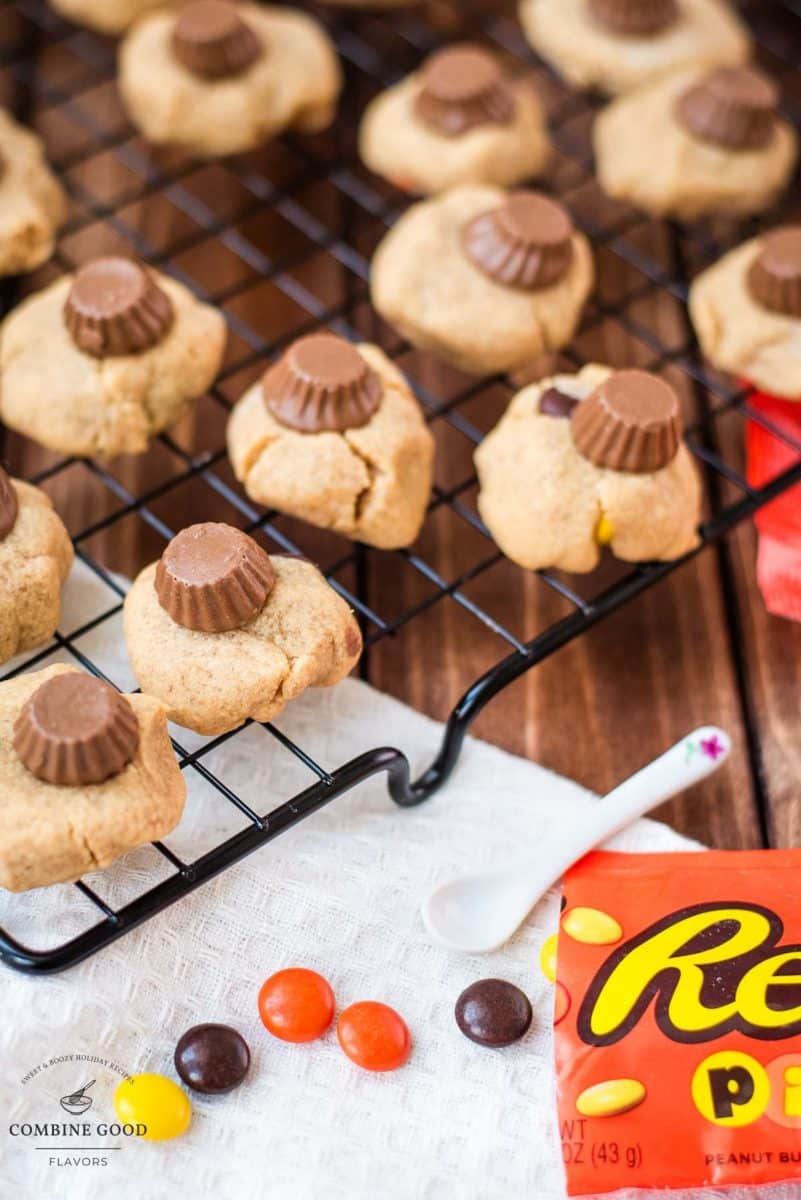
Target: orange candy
column 374, row 1036
column 296, row 1005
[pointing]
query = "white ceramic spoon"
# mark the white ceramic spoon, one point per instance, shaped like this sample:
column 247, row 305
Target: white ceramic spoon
column 479, row 912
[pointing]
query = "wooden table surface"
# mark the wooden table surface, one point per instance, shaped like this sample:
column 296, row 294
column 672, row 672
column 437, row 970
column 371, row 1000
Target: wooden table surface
column 697, row 648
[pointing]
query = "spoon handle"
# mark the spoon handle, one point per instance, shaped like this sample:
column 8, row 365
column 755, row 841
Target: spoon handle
column 688, row 762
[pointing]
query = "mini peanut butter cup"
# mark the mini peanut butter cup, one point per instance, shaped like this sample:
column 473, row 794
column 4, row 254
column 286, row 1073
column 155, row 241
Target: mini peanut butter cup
column 9, row 506
column 634, row 18
column 632, row 422
column 322, row 383
column 774, row 278
column 76, row 729
column 464, row 87
column 211, row 40
column 213, row 578
column 115, row 307
column 525, row 243
column 734, row 107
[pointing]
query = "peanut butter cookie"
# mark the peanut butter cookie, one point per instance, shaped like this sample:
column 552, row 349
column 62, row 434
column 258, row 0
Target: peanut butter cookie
column 581, row 461
column 85, row 774
column 220, row 631
column 332, row 434
column 616, row 45
column 35, row 559
column 460, row 119
column 746, row 310
column 490, row 281
column 218, row 78
column 723, row 148
column 99, row 362
column 32, row 203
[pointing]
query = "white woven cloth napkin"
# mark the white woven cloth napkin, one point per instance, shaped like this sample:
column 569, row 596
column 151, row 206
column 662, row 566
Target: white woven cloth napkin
column 339, row 893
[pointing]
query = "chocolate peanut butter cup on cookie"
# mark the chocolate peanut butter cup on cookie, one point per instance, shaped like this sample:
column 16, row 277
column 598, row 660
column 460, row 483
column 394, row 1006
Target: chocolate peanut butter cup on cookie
column 526, row 242
column 631, row 422
column 213, row 577
column 213, row 41
column 732, row 107
column 115, row 307
column 464, row 87
column 322, row 383
column 774, row 279
column 76, row 729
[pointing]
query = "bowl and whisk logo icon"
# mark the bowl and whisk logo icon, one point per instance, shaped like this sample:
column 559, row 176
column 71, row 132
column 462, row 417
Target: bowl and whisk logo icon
column 78, row 1103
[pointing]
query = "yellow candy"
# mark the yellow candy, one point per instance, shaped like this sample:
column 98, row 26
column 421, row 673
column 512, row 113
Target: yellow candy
column 604, row 531
column 155, row 1102
column 548, row 957
column 611, row 1098
column 591, row 926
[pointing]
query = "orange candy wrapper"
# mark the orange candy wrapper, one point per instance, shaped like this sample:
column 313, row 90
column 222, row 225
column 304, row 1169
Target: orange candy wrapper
column 678, row 1020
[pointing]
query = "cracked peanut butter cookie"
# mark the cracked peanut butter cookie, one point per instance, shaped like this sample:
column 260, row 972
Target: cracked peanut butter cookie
column 85, row 775
column 220, row 631
column 35, row 559
column 723, row 148
column 99, row 362
column 460, row 119
column 32, row 203
column 218, row 78
column 106, row 16
column 616, row 45
column 488, row 280
column 333, row 434
column 746, row 310
column 582, row 461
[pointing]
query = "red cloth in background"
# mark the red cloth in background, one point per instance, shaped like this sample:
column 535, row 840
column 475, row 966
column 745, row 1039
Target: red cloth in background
column 778, row 523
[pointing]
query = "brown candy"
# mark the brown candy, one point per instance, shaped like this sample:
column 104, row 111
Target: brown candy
column 525, row 243
column 213, row 578
column 76, row 729
column 115, row 307
column 464, row 87
column 9, row 506
column 212, row 41
column 774, row 279
column 493, row 1012
column 734, row 107
column 632, row 422
column 212, row 1059
column 322, row 383
column 634, row 18
column 554, row 403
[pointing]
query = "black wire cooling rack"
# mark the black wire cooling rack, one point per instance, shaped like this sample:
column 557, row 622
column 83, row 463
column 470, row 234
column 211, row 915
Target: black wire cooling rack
column 281, row 241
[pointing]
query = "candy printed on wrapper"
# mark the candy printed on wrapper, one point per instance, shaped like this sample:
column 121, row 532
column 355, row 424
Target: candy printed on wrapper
column 689, row 1022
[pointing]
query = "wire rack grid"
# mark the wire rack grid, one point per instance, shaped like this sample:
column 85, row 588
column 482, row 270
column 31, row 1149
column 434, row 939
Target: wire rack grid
column 281, row 241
